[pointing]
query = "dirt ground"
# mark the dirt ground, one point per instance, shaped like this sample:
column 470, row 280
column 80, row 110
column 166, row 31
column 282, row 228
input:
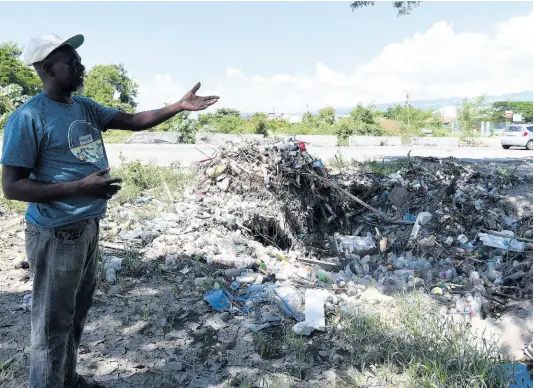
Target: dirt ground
column 153, row 329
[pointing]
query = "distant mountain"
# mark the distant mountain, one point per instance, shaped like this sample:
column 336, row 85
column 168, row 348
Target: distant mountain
column 441, row 102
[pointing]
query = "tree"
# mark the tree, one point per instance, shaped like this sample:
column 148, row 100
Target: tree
column 309, row 119
column 181, row 123
column 364, row 121
column 110, row 86
column 13, row 70
column 231, row 124
column 361, row 121
column 11, row 96
column 222, row 112
column 278, row 126
column 393, row 112
column 327, row 115
column 362, row 115
column 411, row 119
column 403, row 7
column 205, row 119
column 259, row 116
column 470, row 114
column 259, row 120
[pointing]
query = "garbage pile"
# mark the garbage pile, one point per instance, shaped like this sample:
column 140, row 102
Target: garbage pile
column 303, row 200
column 288, row 239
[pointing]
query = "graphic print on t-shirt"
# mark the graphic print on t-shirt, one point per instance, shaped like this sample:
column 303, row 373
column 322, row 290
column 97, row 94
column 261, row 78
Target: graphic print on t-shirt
column 85, row 141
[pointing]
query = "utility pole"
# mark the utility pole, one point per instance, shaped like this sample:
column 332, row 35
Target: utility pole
column 407, row 104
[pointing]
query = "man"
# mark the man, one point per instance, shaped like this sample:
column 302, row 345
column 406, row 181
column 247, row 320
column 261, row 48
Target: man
column 54, row 159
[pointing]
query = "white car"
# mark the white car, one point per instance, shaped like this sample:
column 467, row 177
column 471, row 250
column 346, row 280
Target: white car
column 517, row 135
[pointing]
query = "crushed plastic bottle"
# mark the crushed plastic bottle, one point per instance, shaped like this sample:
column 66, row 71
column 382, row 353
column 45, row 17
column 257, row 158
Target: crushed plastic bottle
column 400, row 263
column 354, row 244
column 448, row 275
column 111, row 265
column 27, row 301
column 476, row 305
column 462, row 239
column 418, row 265
column 405, row 274
column 500, row 242
column 477, row 282
column 232, row 261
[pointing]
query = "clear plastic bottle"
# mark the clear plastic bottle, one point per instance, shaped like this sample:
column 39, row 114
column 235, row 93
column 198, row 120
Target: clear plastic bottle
column 476, row 305
column 232, row 261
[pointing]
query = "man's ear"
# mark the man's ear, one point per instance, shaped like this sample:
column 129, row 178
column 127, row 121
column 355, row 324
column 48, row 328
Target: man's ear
column 48, row 69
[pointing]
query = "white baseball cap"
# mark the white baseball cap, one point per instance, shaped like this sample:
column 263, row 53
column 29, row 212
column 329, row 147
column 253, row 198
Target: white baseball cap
column 40, row 47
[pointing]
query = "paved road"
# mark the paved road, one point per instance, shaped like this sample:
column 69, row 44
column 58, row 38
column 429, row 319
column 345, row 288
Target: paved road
column 164, row 154
column 185, row 154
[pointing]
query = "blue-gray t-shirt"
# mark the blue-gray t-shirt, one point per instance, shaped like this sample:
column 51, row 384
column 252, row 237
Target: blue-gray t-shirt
column 60, row 143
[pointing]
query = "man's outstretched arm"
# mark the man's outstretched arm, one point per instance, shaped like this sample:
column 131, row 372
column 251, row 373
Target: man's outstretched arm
column 149, row 119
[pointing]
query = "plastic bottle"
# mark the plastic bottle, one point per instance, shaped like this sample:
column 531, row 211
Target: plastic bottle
column 476, row 304
column 429, row 278
column 400, row 263
column 449, row 274
column 27, row 301
column 420, row 264
column 365, row 264
column 232, row 261
column 477, row 282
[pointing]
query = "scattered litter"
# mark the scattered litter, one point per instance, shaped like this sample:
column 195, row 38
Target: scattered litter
column 111, row 265
column 218, row 300
column 504, row 243
column 185, row 271
column 399, row 196
column 27, row 302
column 462, row 239
column 351, row 244
column 273, row 223
column 422, row 219
column 314, row 313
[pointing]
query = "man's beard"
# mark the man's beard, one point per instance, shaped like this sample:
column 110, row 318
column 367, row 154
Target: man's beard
column 80, row 89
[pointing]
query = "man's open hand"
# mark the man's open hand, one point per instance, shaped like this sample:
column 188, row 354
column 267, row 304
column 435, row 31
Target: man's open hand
column 97, row 186
column 192, row 102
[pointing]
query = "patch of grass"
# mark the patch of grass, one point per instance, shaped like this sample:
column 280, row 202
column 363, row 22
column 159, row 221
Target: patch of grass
column 295, row 344
column 503, row 170
column 131, row 263
column 428, row 349
column 262, row 344
column 146, row 212
column 164, row 183
column 383, row 167
column 114, row 136
column 339, row 162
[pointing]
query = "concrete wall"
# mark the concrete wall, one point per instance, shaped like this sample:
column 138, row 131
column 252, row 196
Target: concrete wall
column 313, row 140
column 154, row 138
column 221, row 138
column 436, row 141
column 362, row 141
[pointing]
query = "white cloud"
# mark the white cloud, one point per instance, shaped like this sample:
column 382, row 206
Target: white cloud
column 433, row 64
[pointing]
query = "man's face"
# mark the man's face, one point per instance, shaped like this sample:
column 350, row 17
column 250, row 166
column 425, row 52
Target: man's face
column 67, row 69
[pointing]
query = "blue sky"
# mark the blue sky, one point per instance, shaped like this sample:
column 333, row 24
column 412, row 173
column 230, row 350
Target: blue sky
column 285, row 55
